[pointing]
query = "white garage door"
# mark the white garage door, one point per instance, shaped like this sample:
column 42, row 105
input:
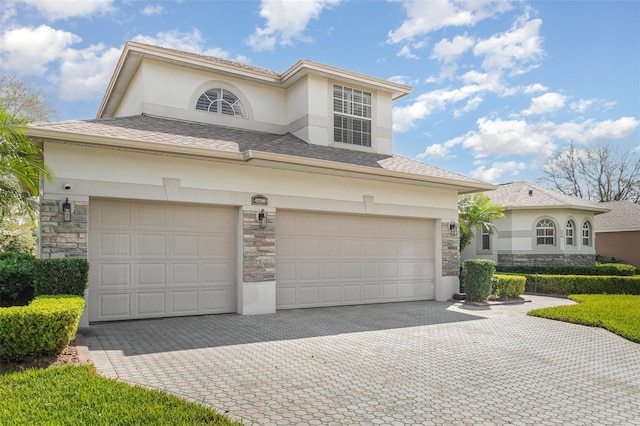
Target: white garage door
column 159, row 259
column 334, row 259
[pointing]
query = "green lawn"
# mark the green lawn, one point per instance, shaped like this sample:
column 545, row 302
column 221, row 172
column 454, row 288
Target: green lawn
column 617, row 313
column 71, row 395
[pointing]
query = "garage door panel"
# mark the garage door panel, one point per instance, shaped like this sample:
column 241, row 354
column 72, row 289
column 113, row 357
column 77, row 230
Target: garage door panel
column 370, row 259
column 166, row 259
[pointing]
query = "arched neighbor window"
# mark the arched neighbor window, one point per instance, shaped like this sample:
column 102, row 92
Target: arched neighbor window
column 545, row 233
column 570, row 233
column 221, row 101
column 586, row 234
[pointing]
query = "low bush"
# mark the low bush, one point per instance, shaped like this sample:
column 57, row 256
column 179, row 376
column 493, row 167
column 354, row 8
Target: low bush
column 61, row 276
column 508, row 286
column 44, row 327
column 16, row 278
column 477, row 274
column 582, row 284
column 597, row 269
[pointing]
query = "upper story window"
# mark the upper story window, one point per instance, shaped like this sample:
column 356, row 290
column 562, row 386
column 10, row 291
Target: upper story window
column 545, row 233
column 486, row 238
column 221, row 101
column 570, row 233
column 352, row 116
column 586, row 234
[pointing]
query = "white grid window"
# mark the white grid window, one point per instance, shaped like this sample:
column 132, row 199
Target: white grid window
column 570, row 233
column 352, row 116
column 221, row 101
column 586, row 234
column 545, row 233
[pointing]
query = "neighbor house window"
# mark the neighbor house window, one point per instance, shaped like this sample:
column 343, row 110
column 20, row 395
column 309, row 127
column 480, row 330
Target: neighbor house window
column 570, row 233
column 352, row 116
column 221, row 101
column 586, row 234
column 545, row 233
column 486, row 238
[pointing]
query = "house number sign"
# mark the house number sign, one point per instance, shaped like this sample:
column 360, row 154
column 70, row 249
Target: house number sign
column 259, row 200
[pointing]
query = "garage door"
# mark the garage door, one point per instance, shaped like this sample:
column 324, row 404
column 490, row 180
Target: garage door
column 160, row 259
column 333, row 259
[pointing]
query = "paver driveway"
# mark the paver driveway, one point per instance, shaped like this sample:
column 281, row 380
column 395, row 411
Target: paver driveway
column 401, row 363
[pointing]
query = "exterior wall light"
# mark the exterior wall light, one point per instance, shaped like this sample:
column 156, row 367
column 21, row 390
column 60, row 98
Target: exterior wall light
column 66, row 210
column 261, row 217
column 453, row 228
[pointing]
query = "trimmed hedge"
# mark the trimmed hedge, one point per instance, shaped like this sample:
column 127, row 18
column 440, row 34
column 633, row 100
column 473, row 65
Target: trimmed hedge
column 16, row 278
column 477, row 274
column 61, row 276
column 583, row 284
column 508, row 286
column 44, row 327
column 619, row 269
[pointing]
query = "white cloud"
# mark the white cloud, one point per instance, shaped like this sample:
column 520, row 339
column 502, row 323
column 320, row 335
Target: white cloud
column 591, row 130
column 286, row 21
column 472, row 105
column 29, row 50
column 400, row 79
column 496, row 171
column 192, row 42
column 448, row 50
column 85, row 73
column 63, row 9
column 153, row 9
column 435, row 151
column 424, row 17
column 582, row 105
column 546, row 103
column 512, row 49
column 534, row 88
column 405, row 52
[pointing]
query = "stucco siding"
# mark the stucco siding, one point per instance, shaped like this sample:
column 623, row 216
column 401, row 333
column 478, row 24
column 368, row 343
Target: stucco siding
column 623, row 245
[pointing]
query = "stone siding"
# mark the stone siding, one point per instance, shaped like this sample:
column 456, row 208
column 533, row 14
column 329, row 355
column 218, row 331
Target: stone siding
column 547, row 259
column 59, row 239
column 258, row 248
column 450, row 252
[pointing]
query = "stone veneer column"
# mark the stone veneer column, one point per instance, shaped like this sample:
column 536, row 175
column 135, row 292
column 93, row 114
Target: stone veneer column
column 450, row 251
column 57, row 238
column 257, row 291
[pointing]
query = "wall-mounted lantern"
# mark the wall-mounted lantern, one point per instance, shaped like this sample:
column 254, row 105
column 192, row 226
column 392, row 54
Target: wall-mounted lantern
column 66, row 210
column 453, row 228
column 261, row 217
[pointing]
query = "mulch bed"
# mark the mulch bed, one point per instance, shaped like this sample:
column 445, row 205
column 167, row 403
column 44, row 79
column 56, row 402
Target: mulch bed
column 68, row 356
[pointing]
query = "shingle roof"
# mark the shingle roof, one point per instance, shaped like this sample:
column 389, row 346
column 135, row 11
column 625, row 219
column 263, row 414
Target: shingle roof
column 523, row 195
column 624, row 216
column 170, row 132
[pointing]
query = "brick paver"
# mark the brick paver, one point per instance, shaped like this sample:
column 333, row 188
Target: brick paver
column 416, row 363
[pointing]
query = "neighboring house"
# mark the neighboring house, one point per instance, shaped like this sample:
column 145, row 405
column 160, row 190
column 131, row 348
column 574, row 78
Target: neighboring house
column 540, row 227
column 209, row 186
column 618, row 232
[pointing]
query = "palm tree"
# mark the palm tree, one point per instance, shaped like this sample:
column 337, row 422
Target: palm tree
column 21, row 166
column 475, row 211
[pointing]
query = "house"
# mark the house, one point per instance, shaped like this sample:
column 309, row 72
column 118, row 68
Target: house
column 209, row 186
column 618, row 232
column 540, row 227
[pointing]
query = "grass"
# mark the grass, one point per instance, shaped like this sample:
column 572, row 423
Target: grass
column 617, row 313
column 71, row 395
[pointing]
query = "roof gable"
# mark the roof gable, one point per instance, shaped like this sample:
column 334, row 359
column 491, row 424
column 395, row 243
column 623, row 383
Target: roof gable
column 624, row 216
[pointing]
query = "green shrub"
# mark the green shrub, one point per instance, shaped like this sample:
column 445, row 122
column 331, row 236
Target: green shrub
column 44, row 327
column 16, row 278
column 509, row 286
column 582, row 284
column 61, row 276
column 597, row 269
column 477, row 275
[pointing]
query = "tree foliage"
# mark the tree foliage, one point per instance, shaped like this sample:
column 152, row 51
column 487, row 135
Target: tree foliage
column 599, row 173
column 475, row 211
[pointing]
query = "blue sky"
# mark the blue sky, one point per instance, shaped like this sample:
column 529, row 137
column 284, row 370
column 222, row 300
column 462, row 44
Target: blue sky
column 498, row 86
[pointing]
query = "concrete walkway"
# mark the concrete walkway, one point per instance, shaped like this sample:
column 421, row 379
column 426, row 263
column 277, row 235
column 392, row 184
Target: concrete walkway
column 395, row 364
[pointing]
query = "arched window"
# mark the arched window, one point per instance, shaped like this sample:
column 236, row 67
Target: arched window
column 221, row 101
column 570, row 233
column 586, row 233
column 545, row 233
